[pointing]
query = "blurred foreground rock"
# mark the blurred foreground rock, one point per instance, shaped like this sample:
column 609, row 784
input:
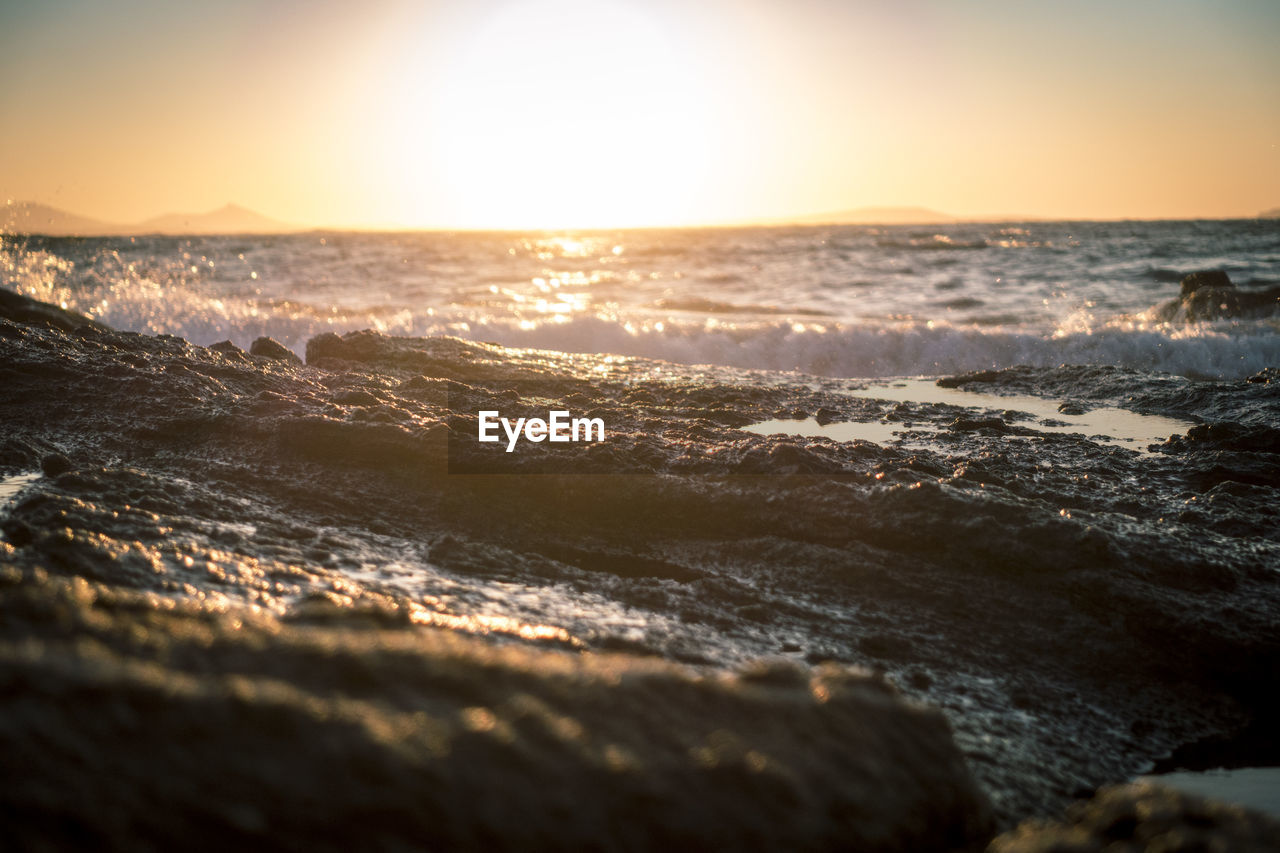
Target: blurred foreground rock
column 137, row 722
column 1146, row 817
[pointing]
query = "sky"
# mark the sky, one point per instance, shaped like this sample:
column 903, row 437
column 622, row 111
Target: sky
column 603, row 113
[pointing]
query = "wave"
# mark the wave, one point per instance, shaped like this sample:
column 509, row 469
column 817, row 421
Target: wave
column 932, row 241
column 810, row 344
column 825, row 348
column 711, row 306
column 908, row 349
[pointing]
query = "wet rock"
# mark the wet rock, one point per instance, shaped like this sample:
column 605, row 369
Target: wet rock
column 1228, row 436
column 328, row 345
column 919, row 679
column 23, row 453
column 437, row 357
column 213, row 727
column 55, row 464
column 1213, row 303
column 230, row 350
column 1204, row 278
column 966, row 378
column 785, row 458
column 1211, row 295
column 328, row 608
column 355, row 397
column 22, row 309
column 827, row 415
column 271, row 348
column 966, row 424
column 1146, row 816
column 18, row 533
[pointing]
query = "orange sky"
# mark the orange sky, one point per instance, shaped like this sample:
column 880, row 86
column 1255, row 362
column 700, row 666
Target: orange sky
column 553, row 113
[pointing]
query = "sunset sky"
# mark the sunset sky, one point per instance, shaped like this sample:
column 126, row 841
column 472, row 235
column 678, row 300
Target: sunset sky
column 555, row 113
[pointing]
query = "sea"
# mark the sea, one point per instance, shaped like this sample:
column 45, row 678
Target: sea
column 843, row 301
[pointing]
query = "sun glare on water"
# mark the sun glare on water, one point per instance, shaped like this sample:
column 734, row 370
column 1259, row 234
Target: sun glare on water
column 569, row 113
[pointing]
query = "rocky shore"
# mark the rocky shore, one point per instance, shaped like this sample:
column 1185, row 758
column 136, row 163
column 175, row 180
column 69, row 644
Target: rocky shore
column 248, row 598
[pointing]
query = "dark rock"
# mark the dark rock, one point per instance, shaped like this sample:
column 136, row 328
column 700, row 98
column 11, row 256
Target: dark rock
column 827, row 416
column 22, row 309
column 22, row 453
column 328, row 345
column 1072, row 407
column 920, row 680
column 1229, row 436
column 271, row 348
column 228, row 348
column 1210, row 295
column 1146, row 816
column 210, row 735
column 355, row 397
column 1213, row 303
column 435, row 357
column 55, row 464
column 1204, row 278
column 964, row 424
column 18, row 533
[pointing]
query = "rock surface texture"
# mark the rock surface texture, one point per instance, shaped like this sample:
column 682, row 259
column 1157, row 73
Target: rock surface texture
column 246, row 598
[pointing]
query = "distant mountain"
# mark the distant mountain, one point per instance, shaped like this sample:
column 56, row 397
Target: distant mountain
column 27, row 217
column 231, row 219
column 878, row 216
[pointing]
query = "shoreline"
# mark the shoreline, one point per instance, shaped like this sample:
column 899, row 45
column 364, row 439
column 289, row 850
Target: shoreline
column 319, row 494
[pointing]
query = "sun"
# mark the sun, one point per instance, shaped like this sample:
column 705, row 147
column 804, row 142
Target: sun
column 569, row 113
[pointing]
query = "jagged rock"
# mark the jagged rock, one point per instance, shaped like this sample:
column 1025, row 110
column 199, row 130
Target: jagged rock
column 965, row 378
column 965, row 424
column 827, row 415
column 1146, row 816
column 1211, row 295
column 271, row 348
column 436, row 357
column 1204, row 278
column 348, row 728
column 22, row 309
column 227, row 348
column 55, row 464
column 328, row 345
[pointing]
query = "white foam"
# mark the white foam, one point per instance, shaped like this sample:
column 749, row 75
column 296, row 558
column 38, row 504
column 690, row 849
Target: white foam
column 826, row 349
column 870, row 350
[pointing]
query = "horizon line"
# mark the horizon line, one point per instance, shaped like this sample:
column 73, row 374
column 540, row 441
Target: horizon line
column 830, row 218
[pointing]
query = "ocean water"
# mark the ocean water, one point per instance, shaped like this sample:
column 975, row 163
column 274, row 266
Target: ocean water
column 851, row 301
